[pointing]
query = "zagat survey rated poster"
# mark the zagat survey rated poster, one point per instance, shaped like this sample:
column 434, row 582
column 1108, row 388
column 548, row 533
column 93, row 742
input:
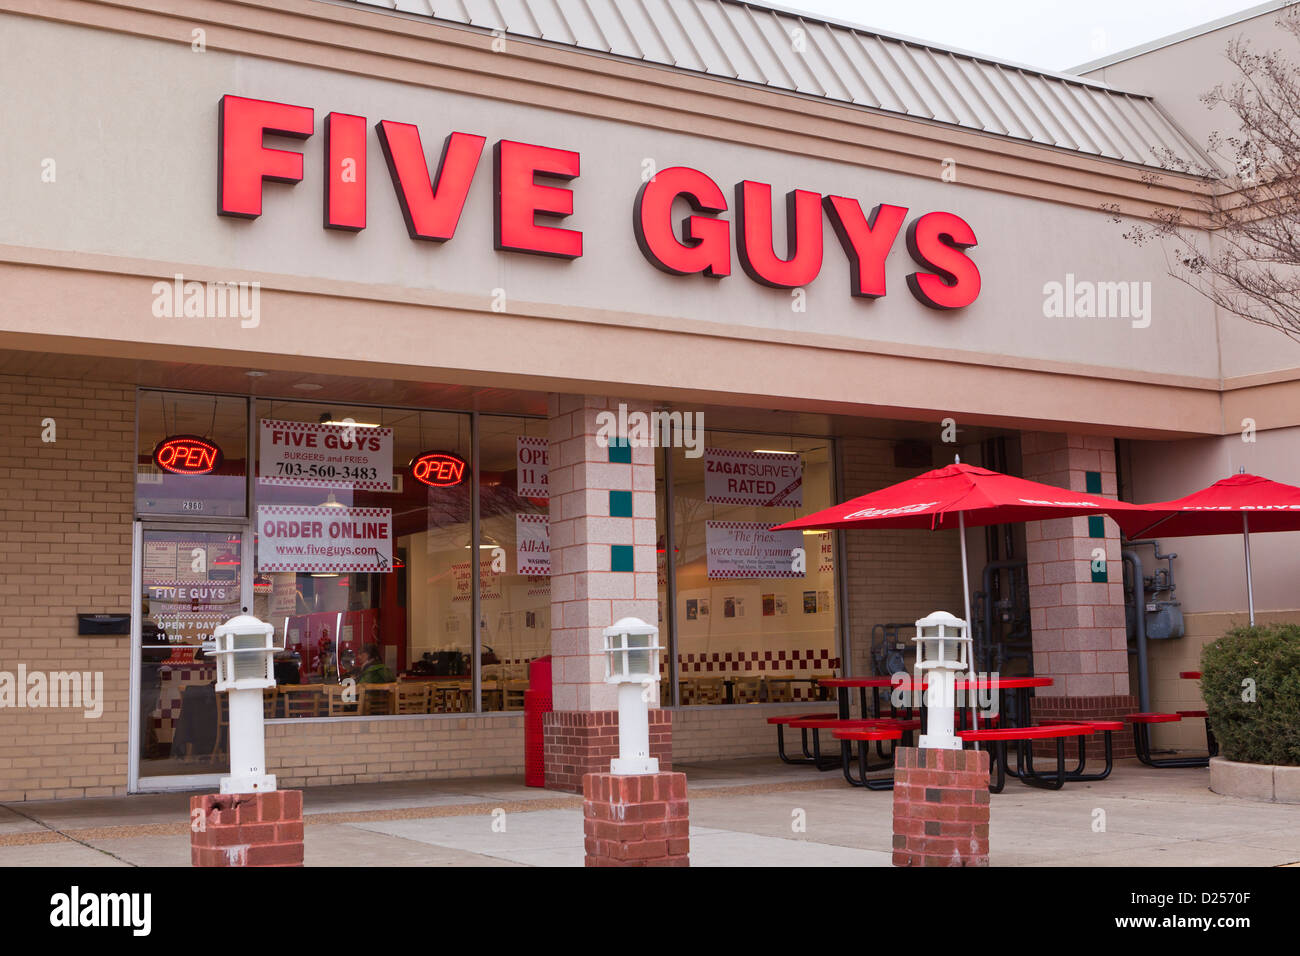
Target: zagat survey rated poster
column 747, row 549
column 734, row 476
column 319, row 455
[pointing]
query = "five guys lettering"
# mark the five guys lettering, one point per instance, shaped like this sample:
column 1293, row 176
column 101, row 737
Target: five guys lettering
column 530, row 183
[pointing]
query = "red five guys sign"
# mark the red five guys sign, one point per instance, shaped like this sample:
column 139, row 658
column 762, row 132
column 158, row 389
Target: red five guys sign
column 533, row 194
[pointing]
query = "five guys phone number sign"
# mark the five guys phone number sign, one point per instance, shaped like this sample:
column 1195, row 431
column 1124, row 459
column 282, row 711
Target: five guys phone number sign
column 432, row 198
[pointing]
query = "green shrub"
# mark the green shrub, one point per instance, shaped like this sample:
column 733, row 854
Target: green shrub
column 1267, row 728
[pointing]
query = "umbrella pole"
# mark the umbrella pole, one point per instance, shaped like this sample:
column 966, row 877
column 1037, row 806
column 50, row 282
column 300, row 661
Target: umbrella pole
column 970, row 626
column 1250, row 586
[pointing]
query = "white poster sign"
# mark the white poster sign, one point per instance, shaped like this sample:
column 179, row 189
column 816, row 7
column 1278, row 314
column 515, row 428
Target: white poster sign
column 768, row 479
column 747, row 549
column 310, row 538
column 284, row 594
column 532, row 466
column 489, row 581
column 533, row 543
column 315, row 455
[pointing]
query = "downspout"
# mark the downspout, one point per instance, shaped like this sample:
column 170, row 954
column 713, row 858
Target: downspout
column 1140, row 615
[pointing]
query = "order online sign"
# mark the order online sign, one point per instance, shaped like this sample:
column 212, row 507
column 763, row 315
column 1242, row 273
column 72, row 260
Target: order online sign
column 324, row 539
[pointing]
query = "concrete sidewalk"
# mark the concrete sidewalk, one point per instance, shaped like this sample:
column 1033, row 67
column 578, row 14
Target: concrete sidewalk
column 754, row 812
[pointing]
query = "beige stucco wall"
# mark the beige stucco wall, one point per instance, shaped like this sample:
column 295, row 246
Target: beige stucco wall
column 1210, row 570
column 136, row 182
column 1178, row 75
column 1164, row 71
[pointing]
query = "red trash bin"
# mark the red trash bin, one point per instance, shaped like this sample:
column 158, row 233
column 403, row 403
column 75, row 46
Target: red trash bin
column 537, row 702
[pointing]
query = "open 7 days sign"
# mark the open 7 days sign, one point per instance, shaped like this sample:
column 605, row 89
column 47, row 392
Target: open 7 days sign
column 432, row 200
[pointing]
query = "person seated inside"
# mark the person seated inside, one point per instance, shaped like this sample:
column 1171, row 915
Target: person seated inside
column 372, row 669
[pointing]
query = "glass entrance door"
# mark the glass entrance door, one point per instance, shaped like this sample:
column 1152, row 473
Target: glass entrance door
column 188, row 580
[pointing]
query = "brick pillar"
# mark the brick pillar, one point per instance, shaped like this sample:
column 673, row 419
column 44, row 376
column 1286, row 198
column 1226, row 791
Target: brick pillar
column 941, row 807
column 636, row 820
column 602, row 511
column 1076, row 609
column 246, row 829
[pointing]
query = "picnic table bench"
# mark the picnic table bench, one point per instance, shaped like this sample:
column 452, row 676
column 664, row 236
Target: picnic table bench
column 1142, row 738
column 997, row 738
column 818, row 724
column 781, row 721
column 865, row 736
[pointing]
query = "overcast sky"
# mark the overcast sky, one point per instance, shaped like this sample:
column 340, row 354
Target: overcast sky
column 1049, row 34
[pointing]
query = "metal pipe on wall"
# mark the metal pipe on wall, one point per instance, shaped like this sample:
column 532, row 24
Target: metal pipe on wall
column 1140, row 615
column 989, row 568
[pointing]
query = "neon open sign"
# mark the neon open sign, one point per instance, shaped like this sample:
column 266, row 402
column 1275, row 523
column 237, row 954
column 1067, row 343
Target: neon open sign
column 438, row 469
column 187, row 455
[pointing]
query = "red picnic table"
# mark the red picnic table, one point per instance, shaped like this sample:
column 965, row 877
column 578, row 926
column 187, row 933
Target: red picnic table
column 1022, row 686
column 842, row 685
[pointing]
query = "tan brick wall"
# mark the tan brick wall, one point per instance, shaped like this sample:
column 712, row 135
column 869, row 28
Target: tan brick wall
column 315, row 753
column 893, row 576
column 323, row 752
column 719, row 733
column 65, row 546
column 1166, row 659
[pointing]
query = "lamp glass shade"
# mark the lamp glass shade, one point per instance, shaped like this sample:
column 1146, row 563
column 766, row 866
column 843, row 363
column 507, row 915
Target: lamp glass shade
column 630, row 656
column 638, row 663
column 952, row 650
column 245, row 663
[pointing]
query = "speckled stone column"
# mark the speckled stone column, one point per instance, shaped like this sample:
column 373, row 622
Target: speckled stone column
column 1076, row 605
column 602, row 526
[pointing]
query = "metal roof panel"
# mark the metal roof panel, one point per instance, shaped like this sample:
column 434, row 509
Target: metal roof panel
column 763, row 45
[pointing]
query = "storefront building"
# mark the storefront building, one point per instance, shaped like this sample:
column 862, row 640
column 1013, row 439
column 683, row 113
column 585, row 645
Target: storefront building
column 402, row 389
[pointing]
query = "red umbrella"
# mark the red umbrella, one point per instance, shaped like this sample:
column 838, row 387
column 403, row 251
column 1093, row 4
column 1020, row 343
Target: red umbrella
column 1237, row 505
column 956, row 496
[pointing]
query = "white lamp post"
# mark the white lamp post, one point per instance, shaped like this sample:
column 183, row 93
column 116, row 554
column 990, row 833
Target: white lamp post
column 942, row 652
column 632, row 661
column 244, row 650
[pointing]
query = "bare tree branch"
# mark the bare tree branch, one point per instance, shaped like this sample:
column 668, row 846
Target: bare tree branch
column 1244, row 252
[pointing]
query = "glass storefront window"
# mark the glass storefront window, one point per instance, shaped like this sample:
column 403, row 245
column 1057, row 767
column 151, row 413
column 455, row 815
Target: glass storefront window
column 190, row 583
column 754, row 621
column 661, row 577
column 514, row 556
column 190, row 456
column 361, row 537
column 379, row 628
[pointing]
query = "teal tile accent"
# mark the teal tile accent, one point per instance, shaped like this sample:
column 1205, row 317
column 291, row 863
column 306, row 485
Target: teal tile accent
column 620, row 504
column 1096, row 523
column 620, row 557
column 620, row 452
